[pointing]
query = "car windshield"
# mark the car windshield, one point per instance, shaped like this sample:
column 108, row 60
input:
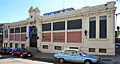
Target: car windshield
column 82, row 52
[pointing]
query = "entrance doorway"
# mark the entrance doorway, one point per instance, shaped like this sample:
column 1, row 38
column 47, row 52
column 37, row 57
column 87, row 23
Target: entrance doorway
column 33, row 36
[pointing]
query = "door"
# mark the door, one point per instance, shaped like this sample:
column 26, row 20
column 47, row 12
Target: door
column 76, row 56
column 33, row 36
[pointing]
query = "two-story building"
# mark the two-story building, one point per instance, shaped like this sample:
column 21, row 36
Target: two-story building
column 91, row 29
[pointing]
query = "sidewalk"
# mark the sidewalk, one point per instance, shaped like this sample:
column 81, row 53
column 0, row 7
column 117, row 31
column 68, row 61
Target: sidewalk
column 105, row 59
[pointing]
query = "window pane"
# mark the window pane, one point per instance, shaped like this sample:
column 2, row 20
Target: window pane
column 92, row 29
column 23, row 29
column 57, row 47
column 12, row 30
column 103, row 27
column 73, row 47
column 91, row 49
column 59, row 26
column 74, row 24
column 102, row 50
column 45, row 46
column 17, row 30
column 46, row 27
column 6, row 33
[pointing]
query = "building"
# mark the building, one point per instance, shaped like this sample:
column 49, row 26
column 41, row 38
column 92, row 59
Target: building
column 1, row 35
column 91, row 29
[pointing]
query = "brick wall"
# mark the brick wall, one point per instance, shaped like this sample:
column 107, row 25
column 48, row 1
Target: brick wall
column 59, row 37
column 74, row 37
column 46, row 37
column 11, row 37
column 23, row 37
column 17, row 37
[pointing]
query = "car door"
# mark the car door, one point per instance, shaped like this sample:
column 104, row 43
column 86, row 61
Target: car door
column 18, row 52
column 76, row 56
column 66, row 55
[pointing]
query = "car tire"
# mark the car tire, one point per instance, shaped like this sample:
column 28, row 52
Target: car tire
column 87, row 62
column 61, row 60
column 21, row 55
column 13, row 54
column 29, row 55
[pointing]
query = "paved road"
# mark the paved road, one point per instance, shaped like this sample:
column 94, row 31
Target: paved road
column 8, row 59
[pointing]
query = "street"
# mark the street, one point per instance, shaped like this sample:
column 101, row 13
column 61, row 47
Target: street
column 8, row 59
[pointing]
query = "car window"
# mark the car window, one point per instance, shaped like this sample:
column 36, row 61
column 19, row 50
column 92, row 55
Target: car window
column 15, row 49
column 66, row 52
column 20, row 49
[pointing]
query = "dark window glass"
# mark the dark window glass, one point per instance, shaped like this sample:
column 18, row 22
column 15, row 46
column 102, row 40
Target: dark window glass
column 92, row 27
column 17, row 30
column 12, row 30
column 10, row 45
column 46, row 27
column 45, row 46
column 74, row 24
column 59, row 26
column 16, row 45
column 23, row 46
column 23, row 29
column 6, row 33
column 91, row 49
column 57, row 47
column 102, row 50
column 73, row 47
column 103, row 27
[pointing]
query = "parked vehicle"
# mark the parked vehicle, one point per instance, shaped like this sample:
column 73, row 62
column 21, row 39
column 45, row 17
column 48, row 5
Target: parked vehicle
column 5, row 50
column 21, row 52
column 117, row 47
column 75, row 55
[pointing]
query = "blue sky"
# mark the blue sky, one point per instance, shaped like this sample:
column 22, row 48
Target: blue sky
column 16, row 10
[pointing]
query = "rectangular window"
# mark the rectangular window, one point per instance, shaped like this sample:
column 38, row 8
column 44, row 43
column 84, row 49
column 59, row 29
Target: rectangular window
column 73, row 47
column 74, row 24
column 17, row 30
column 23, row 46
column 45, row 46
column 46, row 27
column 23, row 29
column 103, row 27
column 102, row 50
column 59, row 26
column 6, row 33
column 12, row 30
column 10, row 45
column 92, row 27
column 16, row 45
column 57, row 47
column 91, row 49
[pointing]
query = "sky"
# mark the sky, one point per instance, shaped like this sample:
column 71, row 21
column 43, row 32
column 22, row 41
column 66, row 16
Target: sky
column 16, row 10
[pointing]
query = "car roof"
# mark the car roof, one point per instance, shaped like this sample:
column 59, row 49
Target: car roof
column 72, row 49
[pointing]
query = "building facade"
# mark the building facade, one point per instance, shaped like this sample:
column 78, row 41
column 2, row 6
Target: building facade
column 91, row 29
column 1, row 35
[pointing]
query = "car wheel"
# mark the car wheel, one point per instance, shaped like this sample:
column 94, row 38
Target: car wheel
column 21, row 55
column 13, row 54
column 29, row 55
column 88, row 62
column 61, row 60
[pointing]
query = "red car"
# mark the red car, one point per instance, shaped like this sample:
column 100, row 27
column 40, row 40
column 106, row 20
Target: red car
column 5, row 50
column 21, row 52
